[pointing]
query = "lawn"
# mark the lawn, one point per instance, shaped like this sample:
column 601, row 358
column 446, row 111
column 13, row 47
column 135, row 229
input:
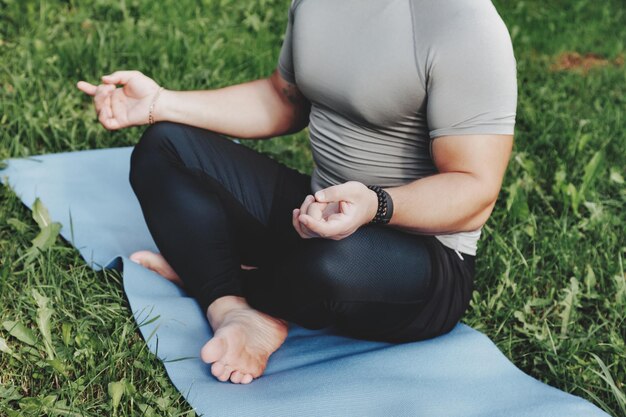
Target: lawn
column 550, row 288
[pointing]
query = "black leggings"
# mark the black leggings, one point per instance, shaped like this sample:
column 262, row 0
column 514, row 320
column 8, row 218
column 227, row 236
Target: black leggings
column 212, row 204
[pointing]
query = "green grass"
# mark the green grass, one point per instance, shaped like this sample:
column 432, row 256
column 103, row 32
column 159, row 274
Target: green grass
column 550, row 287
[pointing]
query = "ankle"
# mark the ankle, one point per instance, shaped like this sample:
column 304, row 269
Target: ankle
column 219, row 308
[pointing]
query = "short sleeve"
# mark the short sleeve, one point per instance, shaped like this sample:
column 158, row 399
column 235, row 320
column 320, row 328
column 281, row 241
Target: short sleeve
column 285, row 59
column 472, row 81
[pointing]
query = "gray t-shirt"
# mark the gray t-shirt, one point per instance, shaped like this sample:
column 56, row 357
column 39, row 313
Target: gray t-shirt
column 385, row 77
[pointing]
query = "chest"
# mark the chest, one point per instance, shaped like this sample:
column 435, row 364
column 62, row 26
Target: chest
column 357, row 57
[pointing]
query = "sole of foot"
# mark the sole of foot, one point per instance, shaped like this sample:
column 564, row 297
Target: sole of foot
column 242, row 345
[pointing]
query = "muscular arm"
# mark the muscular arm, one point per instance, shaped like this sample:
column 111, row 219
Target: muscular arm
column 257, row 109
column 458, row 198
column 253, row 110
column 472, row 99
column 468, row 70
column 462, row 195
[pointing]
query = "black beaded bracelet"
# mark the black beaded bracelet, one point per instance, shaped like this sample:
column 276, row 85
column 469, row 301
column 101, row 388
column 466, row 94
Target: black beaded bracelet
column 385, row 206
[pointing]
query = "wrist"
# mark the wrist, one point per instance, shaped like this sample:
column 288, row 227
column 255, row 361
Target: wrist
column 372, row 205
column 171, row 107
column 167, row 105
column 152, row 105
column 384, row 209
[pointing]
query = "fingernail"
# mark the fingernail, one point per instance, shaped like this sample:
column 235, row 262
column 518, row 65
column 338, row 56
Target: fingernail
column 320, row 195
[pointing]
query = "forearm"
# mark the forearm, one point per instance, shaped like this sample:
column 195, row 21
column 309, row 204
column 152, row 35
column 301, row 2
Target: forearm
column 443, row 203
column 459, row 198
column 252, row 110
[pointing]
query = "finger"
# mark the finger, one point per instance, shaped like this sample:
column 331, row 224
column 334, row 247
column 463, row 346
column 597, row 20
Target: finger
column 112, row 124
column 330, row 209
column 103, row 107
column 102, row 93
column 295, row 222
column 316, row 210
column 118, row 108
column 297, row 225
column 346, row 207
column 87, row 88
column 306, row 203
column 346, row 191
column 106, row 116
column 307, row 231
column 325, row 228
column 300, row 228
column 120, row 77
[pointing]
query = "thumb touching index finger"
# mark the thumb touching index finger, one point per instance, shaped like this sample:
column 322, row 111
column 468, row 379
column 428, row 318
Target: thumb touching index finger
column 340, row 192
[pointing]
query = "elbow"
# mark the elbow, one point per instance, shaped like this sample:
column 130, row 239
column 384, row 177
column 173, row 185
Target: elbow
column 282, row 121
column 298, row 126
column 486, row 196
column 288, row 125
column 480, row 217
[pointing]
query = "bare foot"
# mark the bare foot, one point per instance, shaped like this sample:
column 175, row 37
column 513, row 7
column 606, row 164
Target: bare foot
column 157, row 263
column 242, row 344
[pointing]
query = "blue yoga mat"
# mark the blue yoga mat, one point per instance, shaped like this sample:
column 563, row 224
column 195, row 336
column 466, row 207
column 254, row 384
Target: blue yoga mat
column 315, row 373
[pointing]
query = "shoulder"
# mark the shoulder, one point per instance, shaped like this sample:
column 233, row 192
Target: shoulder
column 458, row 30
column 446, row 11
column 442, row 22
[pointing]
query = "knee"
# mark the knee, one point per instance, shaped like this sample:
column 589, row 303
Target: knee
column 156, row 138
column 149, row 151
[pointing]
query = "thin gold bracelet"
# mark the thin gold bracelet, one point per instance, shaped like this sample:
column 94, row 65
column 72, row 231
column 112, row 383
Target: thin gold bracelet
column 151, row 109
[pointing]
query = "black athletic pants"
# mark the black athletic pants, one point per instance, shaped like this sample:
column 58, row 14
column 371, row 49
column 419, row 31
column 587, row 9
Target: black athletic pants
column 212, row 204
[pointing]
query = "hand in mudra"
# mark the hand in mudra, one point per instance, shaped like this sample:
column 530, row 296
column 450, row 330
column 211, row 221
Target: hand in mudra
column 129, row 105
column 335, row 212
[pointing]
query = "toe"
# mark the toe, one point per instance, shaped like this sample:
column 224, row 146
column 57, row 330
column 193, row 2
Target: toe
column 217, row 369
column 228, row 370
column 157, row 263
column 236, row 377
column 139, row 257
column 213, row 350
column 256, row 369
column 247, row 378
